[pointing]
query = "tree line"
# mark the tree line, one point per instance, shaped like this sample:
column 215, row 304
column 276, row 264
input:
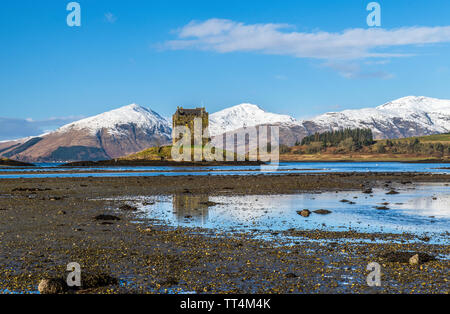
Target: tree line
column 359, row 138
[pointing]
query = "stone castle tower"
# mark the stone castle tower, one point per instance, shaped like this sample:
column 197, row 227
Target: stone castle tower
column 185, row 117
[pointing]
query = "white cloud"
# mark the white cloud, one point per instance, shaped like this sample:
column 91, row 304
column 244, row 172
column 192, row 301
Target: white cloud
column 225, row 36
column 14, row 128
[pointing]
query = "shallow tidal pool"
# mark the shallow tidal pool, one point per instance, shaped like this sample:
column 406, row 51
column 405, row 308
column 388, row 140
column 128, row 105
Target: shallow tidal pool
column 419, row 209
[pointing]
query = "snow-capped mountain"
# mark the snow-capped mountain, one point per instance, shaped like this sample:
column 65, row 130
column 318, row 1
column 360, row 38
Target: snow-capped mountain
column 404, row 117
column 133, row 128
column 115, row 120
column 243, row 115
column 112, row 134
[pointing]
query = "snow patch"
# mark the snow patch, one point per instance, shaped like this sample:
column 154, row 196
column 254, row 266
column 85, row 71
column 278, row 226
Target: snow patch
column 244, row 115
column 112, row 121
column 431, row 114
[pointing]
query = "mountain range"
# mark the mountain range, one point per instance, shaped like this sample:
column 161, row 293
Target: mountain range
column 112, row 134
column 132, row 128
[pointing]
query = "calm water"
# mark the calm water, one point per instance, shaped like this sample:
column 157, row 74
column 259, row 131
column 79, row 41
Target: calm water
column 288, row 167
column 419, row 209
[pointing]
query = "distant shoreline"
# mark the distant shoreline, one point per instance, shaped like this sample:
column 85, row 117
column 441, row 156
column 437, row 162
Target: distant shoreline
column 405, row 161
column 168, row 163
column 156, row 163
column 14, row 163
column 361, row 158
column 159, row 163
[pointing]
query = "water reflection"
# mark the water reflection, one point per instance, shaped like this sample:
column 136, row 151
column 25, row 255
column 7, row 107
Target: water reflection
column 193, row 208
column 416, row 209
column 428, row 206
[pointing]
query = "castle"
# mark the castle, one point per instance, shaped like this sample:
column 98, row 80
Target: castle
column 186, row 117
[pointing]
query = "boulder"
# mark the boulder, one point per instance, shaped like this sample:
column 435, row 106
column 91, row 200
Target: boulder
column 392, row 192
column 88, row 281
column 304, row 213
column 52, row 286
column 381, row 207
column 414, row 260
column 322, row 211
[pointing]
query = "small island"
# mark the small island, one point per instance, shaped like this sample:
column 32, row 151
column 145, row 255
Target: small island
column 14, row 163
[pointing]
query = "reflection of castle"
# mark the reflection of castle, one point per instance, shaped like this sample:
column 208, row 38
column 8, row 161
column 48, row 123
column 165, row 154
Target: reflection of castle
column 186, row 117
column 191, row 207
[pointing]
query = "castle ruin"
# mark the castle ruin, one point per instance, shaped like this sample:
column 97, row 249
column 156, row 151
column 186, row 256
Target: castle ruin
column 186, row 117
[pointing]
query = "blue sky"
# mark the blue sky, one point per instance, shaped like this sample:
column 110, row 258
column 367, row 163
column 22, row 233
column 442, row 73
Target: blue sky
column 301, row 58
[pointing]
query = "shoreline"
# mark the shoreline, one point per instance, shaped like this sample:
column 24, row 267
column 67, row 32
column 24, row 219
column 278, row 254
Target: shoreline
column 168, row 163
column 404, row 161
column 235, row 184
column 47, row 223
column 159, row 163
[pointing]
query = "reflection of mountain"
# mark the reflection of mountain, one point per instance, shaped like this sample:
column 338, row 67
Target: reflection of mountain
column 191, row 207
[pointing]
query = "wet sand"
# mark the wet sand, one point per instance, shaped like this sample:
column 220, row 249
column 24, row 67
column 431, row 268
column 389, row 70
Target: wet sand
column 47, row 223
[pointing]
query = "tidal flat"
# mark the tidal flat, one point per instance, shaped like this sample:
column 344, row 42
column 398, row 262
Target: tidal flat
column 47, row 223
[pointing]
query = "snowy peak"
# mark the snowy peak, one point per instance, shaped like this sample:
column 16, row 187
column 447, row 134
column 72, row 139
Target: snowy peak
column 243, row 115
column 408, row 102
column 244, row 107
column 133, row 128
column 132, row 114
column 418, row 103
column 112, row 134
column 404, row 117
